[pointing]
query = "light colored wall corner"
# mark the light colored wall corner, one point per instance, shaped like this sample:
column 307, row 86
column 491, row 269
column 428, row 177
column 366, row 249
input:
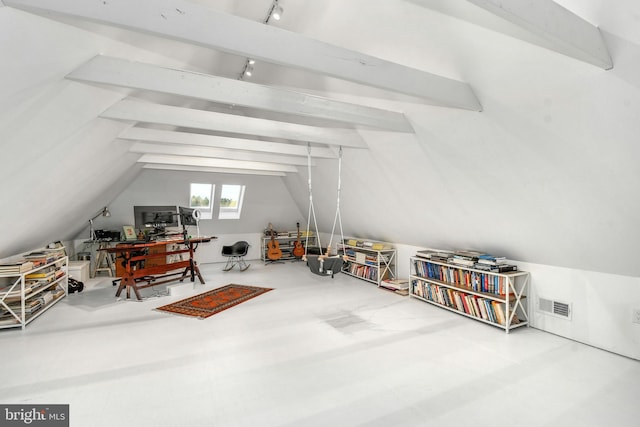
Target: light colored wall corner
column 602, row 304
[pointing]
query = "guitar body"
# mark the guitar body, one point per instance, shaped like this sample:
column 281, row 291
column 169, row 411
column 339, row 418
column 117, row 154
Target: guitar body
column 298, row 249
column 274, row 252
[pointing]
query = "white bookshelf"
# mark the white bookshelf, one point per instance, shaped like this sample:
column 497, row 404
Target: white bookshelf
column 24, row 296
column 498, row 299
column 372, row 262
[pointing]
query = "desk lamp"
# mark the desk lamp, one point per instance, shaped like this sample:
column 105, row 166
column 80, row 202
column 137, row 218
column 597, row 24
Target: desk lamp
column 103, row 212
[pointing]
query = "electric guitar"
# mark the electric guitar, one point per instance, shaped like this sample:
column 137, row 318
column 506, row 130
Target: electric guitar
column 273, row 252
column 298, row 249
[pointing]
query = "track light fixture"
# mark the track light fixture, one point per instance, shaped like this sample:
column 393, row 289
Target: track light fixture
column 277, row 11
column 247, row 71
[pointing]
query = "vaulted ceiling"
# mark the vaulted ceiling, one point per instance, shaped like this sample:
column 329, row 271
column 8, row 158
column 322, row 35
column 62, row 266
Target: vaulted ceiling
column 232, row 28
column 444, row 108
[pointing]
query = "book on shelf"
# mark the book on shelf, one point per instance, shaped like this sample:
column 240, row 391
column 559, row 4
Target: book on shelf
column 439, row 255
column 463, row 262
column 498, row 268
column 467, row 254
column 16, row 268
column 491, row 260
column 8, row 319
column 42, row 274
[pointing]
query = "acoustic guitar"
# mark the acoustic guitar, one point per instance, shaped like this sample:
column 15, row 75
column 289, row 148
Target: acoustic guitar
column 273, row 247
column 298, row 249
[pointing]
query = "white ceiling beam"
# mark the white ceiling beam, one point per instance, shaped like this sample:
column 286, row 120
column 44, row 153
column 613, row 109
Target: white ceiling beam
column 191, row 23
column 146, row 112
column 137, row 75
column 217, row 153
column 215, row 163
column 212, row 170
column 194, row 139
column 569, row 34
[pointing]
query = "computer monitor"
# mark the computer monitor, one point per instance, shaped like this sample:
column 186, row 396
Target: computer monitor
column 155, row 217
column 186, row 216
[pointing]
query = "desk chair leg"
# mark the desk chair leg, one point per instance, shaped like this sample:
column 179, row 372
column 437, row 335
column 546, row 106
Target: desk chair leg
column 229, row 265
column 242, row 264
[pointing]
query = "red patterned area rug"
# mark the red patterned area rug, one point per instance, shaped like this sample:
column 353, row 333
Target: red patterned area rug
column 212, row 302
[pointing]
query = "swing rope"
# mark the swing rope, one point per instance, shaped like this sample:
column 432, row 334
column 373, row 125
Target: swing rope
column 311, row 208
column 338, row 217
column 337, row 220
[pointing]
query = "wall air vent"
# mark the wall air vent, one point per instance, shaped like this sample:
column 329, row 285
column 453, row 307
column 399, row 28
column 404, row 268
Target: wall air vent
column 555, row 308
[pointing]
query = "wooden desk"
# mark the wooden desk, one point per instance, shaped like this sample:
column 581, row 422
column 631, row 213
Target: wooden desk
column 145, row 264
column 157, row 256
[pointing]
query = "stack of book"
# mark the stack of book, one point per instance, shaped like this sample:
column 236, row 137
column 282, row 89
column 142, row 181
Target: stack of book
column 42, row 277
column 494, row 264
column 16, row 267
column 469, row 259
column 465, row 258
column 7, row 318
column 438, row 256
column 39, row 258
column 399, row 286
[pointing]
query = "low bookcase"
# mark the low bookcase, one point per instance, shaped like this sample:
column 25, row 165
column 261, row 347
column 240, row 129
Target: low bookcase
column 369, row 261
column 498, row 299
column 29, row 289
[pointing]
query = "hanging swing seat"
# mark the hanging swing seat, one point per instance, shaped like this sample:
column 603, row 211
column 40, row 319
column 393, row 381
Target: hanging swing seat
column 319, row 261
column 325, row 265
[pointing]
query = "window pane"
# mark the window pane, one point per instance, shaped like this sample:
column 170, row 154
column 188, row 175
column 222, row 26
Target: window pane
column 201, row 196
column 231, row 201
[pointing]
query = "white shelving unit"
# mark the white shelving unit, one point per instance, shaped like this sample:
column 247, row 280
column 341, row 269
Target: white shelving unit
column 497, row 299
column 24, row 297
column 369, row 264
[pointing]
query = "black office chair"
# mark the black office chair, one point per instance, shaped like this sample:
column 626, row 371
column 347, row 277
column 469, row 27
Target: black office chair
column 235, row 255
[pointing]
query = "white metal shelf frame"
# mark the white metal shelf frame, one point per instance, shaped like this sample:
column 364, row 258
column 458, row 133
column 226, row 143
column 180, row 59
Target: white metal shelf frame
column 385, row 262
column 285, row 248
column 517, row 283
column 21, row 317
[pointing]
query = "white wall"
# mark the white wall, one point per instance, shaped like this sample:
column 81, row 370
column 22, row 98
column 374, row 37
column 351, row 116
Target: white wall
column 266, row 201
column 601, row 303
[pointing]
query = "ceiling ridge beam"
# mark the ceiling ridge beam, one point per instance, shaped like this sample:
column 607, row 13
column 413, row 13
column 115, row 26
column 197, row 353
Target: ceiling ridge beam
column 219, row 163
column 212, row 170
column 569, row 34
column 146, row 112
column 137, row 75
column 217, row 153
column 194, row 139
column 195, row 24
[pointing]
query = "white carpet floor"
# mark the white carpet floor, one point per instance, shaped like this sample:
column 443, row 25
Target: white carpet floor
column 315, row 351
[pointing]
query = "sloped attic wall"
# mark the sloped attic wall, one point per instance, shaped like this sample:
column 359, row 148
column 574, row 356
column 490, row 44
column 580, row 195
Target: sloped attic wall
column 532, row 176
column 542, row 174
column 60, row 162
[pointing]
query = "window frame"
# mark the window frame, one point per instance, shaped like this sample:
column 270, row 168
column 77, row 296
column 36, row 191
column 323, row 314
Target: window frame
column 227, row 212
